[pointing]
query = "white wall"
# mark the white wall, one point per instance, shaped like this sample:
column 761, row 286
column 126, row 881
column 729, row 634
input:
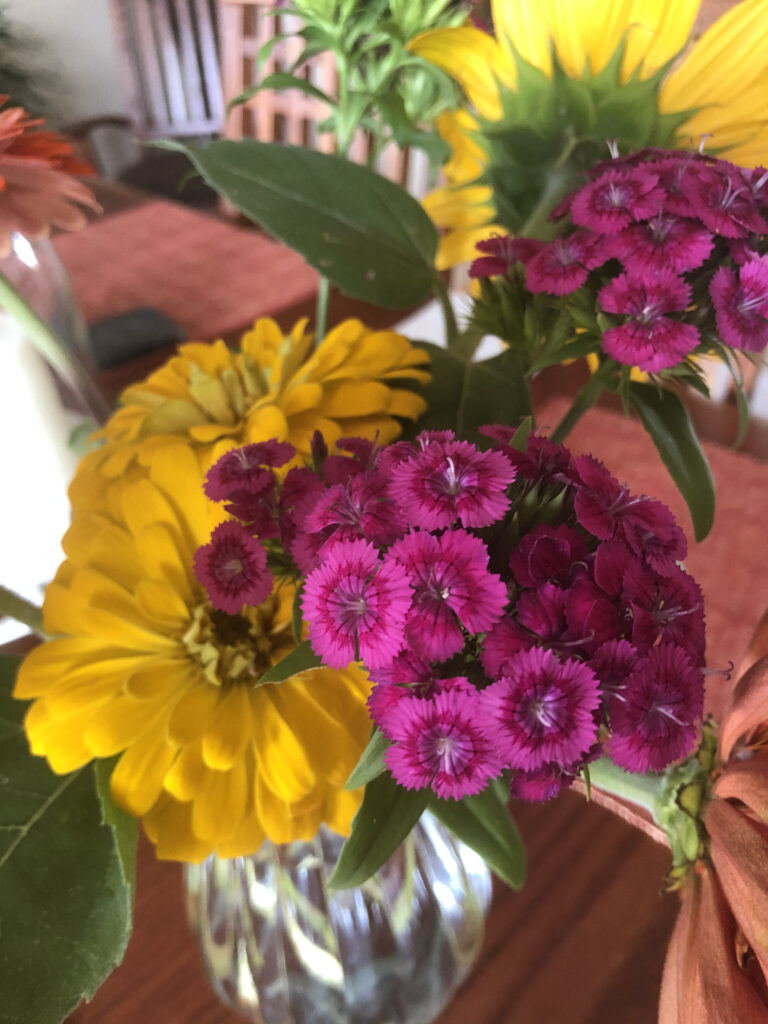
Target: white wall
column 77, row 43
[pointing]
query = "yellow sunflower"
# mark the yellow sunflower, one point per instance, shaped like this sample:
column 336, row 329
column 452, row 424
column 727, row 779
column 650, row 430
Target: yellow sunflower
column 354, row 383
column 142, row 667
column 596, row 71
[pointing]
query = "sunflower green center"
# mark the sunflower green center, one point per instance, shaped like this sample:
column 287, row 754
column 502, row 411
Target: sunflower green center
column 236, row 649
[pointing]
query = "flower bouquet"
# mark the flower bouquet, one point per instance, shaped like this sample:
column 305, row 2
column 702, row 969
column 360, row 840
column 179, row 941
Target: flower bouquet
column 338, row 579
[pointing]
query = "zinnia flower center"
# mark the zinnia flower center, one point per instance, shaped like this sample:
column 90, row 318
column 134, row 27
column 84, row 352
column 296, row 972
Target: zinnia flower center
column 236, row 649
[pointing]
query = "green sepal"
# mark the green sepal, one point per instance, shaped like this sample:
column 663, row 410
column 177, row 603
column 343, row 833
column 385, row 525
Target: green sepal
column 386, row 816
column 280, row 81
column 667, row 422
column 484, row 823
column 371, row 763
column 519, row 439
column 301, row 659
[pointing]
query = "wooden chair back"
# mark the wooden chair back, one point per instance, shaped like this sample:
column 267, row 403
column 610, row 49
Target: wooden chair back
column 291, row 116
column 172, row 73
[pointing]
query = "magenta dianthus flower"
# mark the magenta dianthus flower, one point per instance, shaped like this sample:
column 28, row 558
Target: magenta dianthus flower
column 232, row 567
column 355, row 605
column 548, row 554
column 452, row 587
column 500, row 252
column 246, row 469
column 665, row 609
column 564, row 265
column 741, row 306
column 542, row 710
column 538, row 786
column 649, row 339
column 655, row 722
column 361, row 507
column 617, row 198
column 664, row 242
column 439, row 744
column 451, row 480
column 501, row 642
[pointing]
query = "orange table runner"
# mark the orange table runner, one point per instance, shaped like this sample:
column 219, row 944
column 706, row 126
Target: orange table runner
column 209, row 276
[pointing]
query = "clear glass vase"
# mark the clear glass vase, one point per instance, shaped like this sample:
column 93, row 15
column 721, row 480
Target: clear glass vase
column 39, row 410
column 283, row 949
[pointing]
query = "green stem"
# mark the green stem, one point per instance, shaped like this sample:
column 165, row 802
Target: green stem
column 583, row 401
column 17, row 607
column 61, row 358
column 321, row 309
column 452, row 334
column 642, row 790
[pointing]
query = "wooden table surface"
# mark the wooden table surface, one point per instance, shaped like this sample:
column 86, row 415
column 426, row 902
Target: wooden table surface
column 582, row 943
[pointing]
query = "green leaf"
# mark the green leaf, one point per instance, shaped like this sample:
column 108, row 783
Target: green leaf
column 301, row 659
column 364, row 233
column 386, row 816
column 65, row 907
column 484, row 823
column 519, row 439
column 124, row 826
column 581, row 346
column 371, row 763
column 296, row 616
column 465, row 395
column 281, row 80
column 666, row 419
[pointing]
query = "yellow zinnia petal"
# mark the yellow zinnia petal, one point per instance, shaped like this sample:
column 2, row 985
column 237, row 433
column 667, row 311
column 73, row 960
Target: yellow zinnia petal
column 219, row 808
column 169, row 826
column 230, row 729
column 137, row 779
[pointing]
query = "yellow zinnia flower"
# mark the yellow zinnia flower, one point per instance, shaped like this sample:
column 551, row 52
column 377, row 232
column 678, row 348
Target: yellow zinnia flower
column 518, row 153
column 141, row 666
column 276, row 385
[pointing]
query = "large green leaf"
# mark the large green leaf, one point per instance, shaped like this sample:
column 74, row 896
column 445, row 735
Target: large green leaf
column 386, row 816
column 65, row 901
column 667, row 421
column 465, row 395
column 484, row 823
column 363, row 232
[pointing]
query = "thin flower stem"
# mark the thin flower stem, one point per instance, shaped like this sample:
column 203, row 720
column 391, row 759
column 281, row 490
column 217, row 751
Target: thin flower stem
column 642, row 790
column 583, row 401
column 452, row 334
column 61, row 358
column 17, row 607
column 321, row 309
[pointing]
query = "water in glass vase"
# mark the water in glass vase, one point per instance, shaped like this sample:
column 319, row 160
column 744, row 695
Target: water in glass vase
column 281, row 948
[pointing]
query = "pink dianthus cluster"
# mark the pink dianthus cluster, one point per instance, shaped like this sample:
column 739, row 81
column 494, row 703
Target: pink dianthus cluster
column 520, row 612
column 674, row 245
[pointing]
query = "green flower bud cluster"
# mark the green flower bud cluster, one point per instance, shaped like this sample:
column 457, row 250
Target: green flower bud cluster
column 385, row 91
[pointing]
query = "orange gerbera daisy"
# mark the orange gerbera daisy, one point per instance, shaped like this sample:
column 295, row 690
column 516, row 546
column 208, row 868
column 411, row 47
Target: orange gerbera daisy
column 37, row 190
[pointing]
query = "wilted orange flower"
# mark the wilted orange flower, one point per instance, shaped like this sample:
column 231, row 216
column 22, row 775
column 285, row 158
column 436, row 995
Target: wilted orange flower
column 716, row 971
column 37, row 190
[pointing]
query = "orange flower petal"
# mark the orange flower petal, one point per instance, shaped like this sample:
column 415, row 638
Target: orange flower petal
column 747, row 781
column 749, row 708
column 739, row 851
column 702, row 981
